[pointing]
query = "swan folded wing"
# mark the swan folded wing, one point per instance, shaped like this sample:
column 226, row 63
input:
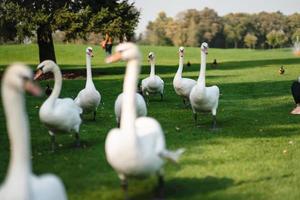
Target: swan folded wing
column 48, row 187
column 213, row 94
column 67, row 105
column 154, row 84
column 152, row 141
column 64, row 115
column 150, row 133
column 186, row 86
column 88, row 99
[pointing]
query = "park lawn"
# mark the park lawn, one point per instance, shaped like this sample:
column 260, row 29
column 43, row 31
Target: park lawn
column 254, row 154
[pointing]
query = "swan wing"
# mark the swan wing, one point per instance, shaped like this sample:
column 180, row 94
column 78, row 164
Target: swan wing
column 141, row 107
column 150, row 135
column 184, row 86
column 88, row 99
column 63, row 115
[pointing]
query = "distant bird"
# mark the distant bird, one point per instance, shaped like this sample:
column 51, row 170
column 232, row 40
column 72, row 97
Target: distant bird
column 215, row 63
column 204, row 99
column 48, row 90
column 188, row 64
column 89, row 98
column 182, row 86
column 281, row 70
column 153, row 84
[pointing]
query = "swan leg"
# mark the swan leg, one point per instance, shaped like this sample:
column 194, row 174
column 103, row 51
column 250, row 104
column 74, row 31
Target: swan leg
column 124, row 186
column 214, row 122
column 118, row 122
column 52, row 137
column 184, row 101
column 161, row 96
column 95, row 115
column 195, row 117
column 160, row 187
column 77, row 140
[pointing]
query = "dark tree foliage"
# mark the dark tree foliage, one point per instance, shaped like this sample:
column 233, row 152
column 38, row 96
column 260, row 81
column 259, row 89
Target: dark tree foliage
column 25, row 18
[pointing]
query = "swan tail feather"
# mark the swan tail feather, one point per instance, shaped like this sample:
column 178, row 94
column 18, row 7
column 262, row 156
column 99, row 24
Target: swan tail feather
column 172, row 156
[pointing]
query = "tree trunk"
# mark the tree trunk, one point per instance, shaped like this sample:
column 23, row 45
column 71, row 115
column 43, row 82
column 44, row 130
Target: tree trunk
column 45, row 42
column 235, row 44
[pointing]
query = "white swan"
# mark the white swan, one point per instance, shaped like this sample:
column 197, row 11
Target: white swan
column 88, row 98
column 56, row 113
column 137, row 148
column 152, row 84
column 202, row 98
column 182, row 86
column 20, row 183
column 141, row 108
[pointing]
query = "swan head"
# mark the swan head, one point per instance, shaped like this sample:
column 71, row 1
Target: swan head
column 44, row 67
column 19, row 77
column 151, row 57
column 181, row 51
column 125, row 51
column 204, row 48
column 89, row 51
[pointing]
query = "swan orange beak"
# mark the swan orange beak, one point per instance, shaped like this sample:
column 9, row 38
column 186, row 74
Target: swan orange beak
column 32, row 88
column 38, row 73
column 114, row 58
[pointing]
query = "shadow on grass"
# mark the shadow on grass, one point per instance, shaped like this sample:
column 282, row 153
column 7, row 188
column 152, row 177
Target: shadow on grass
column 79, row 70
column 186, row 188
column 267, row 178
column 256, row 63
column 254, row 90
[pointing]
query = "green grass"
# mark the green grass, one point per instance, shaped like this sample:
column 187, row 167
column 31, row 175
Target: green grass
column 254, row 155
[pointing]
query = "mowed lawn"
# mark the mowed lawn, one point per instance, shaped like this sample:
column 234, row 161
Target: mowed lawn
column 255, row 153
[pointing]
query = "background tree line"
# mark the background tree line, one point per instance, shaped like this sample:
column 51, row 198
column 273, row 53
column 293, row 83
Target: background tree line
column 192, row 27
column 68, row 19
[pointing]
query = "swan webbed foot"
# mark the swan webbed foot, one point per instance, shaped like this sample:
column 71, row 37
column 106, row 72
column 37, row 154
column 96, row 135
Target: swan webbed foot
column 77, row 142
column 94, row 115
column 52, row 138
column 124, row 186
column 160, row 188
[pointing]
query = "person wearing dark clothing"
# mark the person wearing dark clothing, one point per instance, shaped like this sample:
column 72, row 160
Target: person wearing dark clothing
column 107, row 44
column 296, row 95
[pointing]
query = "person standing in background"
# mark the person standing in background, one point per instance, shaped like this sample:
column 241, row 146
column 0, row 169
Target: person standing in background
column 296, row 95
column 107, row 44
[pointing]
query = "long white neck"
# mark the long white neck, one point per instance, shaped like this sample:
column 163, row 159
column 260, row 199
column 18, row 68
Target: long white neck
column 57, row 85
column 128, row 115
column 180, row 68
column 17, row 126
column 152, row 71
column 89, row 80
column 201, row 79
